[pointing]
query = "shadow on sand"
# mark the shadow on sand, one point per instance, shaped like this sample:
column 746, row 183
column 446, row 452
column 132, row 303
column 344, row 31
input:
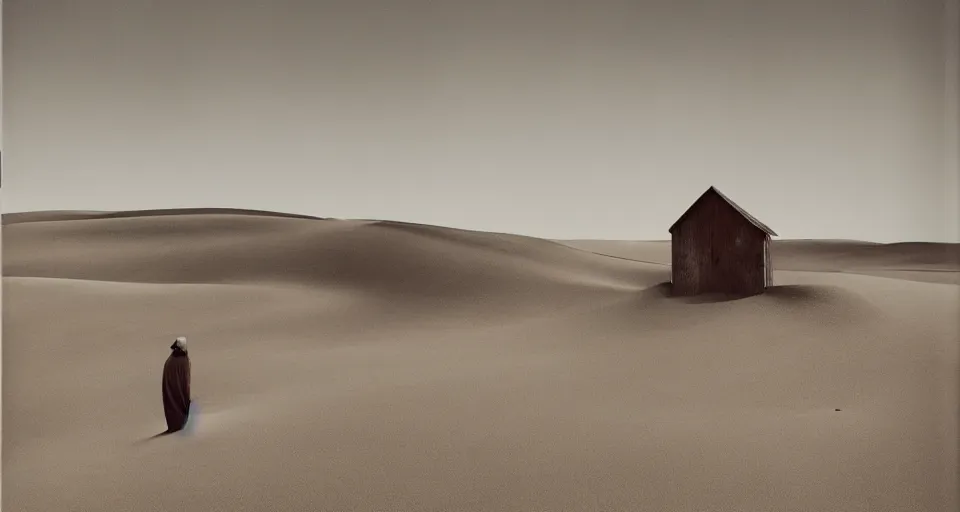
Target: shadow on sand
column 187, row 429
column 665, row 290
column 157, row 436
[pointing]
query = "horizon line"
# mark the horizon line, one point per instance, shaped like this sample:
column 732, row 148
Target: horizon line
column 251, row 211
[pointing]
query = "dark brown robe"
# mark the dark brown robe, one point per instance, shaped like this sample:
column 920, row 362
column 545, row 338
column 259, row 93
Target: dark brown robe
column 176, row 390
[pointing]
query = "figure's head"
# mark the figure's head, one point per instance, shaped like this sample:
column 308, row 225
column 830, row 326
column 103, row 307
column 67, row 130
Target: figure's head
column 179, row 344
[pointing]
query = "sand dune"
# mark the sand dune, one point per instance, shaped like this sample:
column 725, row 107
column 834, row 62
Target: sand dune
column 926, row 262
column 363, row 365
column 49, row 216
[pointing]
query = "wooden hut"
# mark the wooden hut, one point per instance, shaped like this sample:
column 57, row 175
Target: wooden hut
column 717, row 247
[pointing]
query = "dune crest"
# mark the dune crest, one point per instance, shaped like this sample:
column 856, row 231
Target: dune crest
column 64, row 215
column 377, row 256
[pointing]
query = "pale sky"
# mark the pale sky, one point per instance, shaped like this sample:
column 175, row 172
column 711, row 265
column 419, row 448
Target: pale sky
column 560, row 119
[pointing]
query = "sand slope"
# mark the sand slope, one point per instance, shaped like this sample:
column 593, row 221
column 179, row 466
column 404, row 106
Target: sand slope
column 344, row 365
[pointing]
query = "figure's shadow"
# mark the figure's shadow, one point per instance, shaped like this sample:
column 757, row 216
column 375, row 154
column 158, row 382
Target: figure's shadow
column 156, row 436
column 187, row 429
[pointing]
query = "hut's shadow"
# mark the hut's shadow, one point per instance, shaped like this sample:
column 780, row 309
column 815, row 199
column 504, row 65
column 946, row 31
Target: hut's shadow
column 664, row 291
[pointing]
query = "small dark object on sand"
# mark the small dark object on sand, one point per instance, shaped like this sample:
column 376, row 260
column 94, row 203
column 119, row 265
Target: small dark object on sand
column 838, row 410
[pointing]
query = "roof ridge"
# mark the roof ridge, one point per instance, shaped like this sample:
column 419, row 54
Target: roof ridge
column 746, row 215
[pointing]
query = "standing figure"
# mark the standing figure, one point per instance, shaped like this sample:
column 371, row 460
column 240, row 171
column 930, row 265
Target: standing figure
column 176, row 386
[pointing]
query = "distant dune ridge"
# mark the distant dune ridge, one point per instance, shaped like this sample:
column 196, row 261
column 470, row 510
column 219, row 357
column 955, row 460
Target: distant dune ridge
column 375, row 365
column 48, row 216
column 921, row 261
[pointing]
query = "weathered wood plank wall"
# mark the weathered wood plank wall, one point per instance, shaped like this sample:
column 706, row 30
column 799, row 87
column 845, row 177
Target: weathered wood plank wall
column 717, row 250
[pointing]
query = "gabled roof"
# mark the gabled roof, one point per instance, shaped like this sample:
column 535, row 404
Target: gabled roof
column 712, row 190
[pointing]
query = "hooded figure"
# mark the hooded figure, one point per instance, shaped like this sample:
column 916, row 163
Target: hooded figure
column 176, row 386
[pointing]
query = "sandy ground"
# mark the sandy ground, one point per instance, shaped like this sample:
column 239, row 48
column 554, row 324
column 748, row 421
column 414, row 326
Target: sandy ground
column 343, row 365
